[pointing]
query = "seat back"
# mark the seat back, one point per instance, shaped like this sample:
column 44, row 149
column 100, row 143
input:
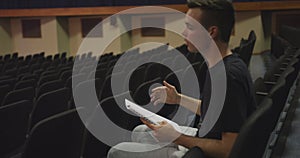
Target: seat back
column 254, row 134
column 50, row 104
column 49, row 86
column 25, row 84
column 60, row 135
column 14, row 123
column 20, row 94
column 113, row 108
column 141, row 96
column 4, row 89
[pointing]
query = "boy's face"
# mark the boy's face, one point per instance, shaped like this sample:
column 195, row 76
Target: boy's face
column 194, row 32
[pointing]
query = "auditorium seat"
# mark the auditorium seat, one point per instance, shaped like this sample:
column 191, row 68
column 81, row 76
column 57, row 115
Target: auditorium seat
column 25, row 83
column 278, row 45
column 60, row 135
column 252, row 138
column 114, row 110
column 14, row 123
column 155, row 70
column 108, row 89
column 136, row 78
column 49, row 104
column 85, row 95
column 246, row 47
column 20, row 94
column 49, row 86
column 4, row 89
column 30, row 76
column 142, row 94
column 47, row 78
column 65, row 75
column 73, row 81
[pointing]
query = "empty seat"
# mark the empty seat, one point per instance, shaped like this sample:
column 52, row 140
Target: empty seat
column 253, row 136
column 142, row 94
column 75, row 80
column 20, row 94
column 30, row 76
column 49, row 104
column 44, row 79
column 84, row 94
column 4, row 89
column 135, row 78
column 49, row 86
column 65, row 75
column 11, row 72
column 60, row 135
column 14, row 123
column 51, row 72
column 25, row 84
column 112, row 107
column 113, row 84
column 155, row 70
column 24, row 69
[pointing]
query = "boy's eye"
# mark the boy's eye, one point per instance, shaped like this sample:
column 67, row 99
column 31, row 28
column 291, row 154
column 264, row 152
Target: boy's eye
column 190, row 27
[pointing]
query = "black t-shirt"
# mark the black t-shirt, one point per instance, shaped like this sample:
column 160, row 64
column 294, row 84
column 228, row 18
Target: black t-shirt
column 239, row 100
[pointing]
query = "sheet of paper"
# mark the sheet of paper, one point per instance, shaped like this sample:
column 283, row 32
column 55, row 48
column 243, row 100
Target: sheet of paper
column 152, row 117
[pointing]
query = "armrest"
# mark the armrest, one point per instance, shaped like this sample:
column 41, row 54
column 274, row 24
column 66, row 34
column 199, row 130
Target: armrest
column 261, row 93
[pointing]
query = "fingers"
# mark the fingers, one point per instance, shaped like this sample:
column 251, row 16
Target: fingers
column 163, row 123
column 168, row 85
column 150, row 125
column 158, row 89
column 158, row 95
column 157, row 102
column 165, row 87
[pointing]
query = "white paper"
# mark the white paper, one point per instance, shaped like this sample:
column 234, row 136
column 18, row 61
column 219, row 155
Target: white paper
column 148, row 115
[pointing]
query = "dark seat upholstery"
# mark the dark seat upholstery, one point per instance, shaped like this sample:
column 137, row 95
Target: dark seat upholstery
column 50, row 104
column 14, row 123
column 60, row 135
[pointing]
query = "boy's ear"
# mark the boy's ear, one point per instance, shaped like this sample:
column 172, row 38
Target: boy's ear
column 213, row 31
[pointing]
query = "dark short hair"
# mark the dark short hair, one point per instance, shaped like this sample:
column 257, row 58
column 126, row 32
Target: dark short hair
column 218, row 13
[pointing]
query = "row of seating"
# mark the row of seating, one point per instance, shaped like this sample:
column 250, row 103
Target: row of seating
column 36, row 88
column 45, row 84
column 287, row 37
column 46, row 87
column 264, row 132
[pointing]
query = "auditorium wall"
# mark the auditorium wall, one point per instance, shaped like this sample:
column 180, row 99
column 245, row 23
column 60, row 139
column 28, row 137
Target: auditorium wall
column 63, row 34
column 247, row 21
column 47, row 43
column 172, row 22
column 5, row 36
column 63, row 42
column 91, row 43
